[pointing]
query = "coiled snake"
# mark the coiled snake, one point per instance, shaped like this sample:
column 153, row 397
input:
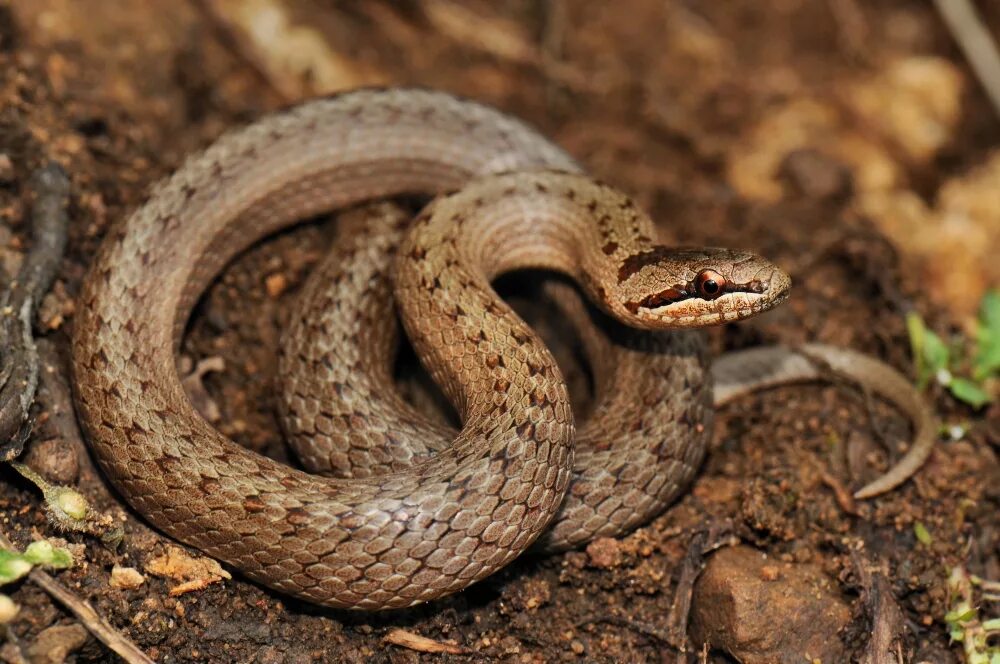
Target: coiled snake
column 420, row 511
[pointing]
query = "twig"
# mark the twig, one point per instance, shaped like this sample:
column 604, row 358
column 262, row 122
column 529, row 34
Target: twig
column 18, row 356
column 841, row 493
column 86, row 614
column 976, row 42
column 887, row 625
column 717, row 535
column 407, row 639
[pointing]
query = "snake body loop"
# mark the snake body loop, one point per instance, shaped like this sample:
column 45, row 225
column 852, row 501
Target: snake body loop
column 634, row 454
column 385, row 542
column 440, row 516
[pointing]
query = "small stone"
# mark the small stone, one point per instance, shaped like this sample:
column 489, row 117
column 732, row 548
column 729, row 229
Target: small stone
column 529, row 595
column 128, row 578
column 8, row 609
column 604, row 553
column 53, row 645
column 56, row 307
column 195, row 573
column 577, row 647
column 55, row 459
column 762, row 612
column 275, row 284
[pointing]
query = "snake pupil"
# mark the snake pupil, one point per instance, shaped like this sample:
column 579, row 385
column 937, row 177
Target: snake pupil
column 710, row 284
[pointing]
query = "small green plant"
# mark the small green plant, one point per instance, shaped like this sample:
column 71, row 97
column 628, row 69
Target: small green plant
column 922, row 534
column 970, row 374
column 68, row 510
column 965, row 625
column 14, row 565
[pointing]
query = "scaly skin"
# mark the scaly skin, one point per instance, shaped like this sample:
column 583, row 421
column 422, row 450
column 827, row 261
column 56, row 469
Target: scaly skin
column 411, row 535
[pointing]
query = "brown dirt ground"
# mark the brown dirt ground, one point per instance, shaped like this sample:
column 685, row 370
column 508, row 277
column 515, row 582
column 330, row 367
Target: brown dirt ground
column 655, row 97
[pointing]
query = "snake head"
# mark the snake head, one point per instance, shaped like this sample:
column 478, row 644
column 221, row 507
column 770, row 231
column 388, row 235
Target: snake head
column 666, row 287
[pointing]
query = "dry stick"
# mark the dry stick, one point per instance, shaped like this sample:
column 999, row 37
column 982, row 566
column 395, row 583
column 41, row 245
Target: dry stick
column 976, row 43
column 86, row 614
column 888, row 631
column 18, row 356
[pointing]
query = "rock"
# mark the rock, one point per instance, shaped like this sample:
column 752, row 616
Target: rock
column 54, row 459
column 604, row 553
column 8, row 609
column 54, row 644
column 126, row 577
column 275, row 284
column 196, row 573
column 762, row 611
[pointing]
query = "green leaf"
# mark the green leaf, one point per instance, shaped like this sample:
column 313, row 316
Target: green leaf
column 969, row 392
column 988, row 336
column 989, row 310
column 920, row 530
column 935, row 353
column 930, row 354
column 958, row 616
column 12, row 566
column 43, row 553
column 917, row 332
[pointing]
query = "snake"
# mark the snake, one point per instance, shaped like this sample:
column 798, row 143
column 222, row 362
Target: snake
column 419, row 518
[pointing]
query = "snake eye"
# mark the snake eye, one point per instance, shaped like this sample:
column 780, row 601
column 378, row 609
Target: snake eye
column 710, row 284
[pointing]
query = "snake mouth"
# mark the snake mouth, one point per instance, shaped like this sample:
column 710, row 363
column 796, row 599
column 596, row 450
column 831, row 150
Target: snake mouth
column 691, row 291
column 691, row 305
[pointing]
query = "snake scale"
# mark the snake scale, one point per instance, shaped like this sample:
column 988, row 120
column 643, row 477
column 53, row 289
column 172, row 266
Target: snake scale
column 417, row 510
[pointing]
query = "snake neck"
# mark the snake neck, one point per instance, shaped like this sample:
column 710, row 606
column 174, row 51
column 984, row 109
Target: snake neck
column 547, row 220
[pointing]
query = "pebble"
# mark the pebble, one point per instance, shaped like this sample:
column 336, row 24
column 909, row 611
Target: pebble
column 126, row 577
column 55, row 644
column 54, row 459
column 604, row 553
column 762, row 611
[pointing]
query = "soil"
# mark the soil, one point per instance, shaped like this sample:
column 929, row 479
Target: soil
column 742, row 124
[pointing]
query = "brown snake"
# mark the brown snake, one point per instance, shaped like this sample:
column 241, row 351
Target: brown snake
column 418, row 518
